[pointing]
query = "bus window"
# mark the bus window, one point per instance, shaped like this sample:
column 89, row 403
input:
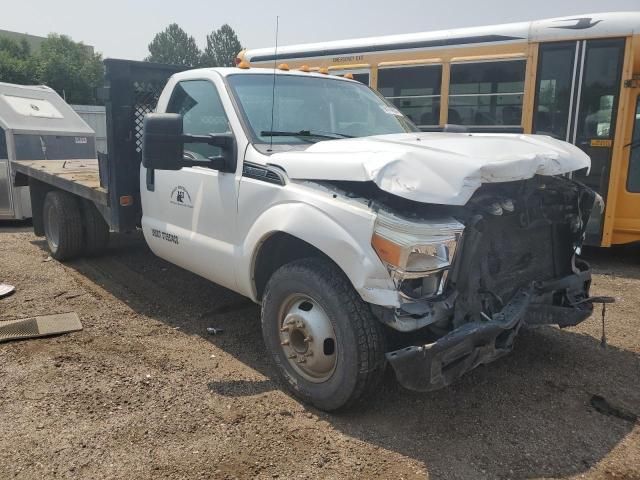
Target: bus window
column 414, row 90
column 487, row 93
column 361, row 77
column 359, row 74
column 553, row 98
column 633, row 179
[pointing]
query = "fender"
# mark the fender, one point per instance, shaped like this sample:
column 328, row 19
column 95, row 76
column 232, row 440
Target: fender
column 314, row 226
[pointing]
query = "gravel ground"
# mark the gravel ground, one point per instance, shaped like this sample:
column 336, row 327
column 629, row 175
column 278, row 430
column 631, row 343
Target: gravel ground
column 144, row 392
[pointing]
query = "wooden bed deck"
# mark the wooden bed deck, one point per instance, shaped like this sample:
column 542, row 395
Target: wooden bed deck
column 80, row 177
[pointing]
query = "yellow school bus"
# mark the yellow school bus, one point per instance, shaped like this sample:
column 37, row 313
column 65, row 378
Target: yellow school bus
column 575, row 78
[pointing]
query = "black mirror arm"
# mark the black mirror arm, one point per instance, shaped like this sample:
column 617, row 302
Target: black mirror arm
column 217, row 163
column 222, row 140
column 225, row 141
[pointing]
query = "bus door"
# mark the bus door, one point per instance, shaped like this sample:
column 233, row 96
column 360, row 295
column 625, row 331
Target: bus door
column 628, row 205
column 577, row 91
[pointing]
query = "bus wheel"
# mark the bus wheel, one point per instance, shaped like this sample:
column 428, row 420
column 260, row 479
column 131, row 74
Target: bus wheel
column 326, row 345
column 96, row 230
column 62, row 225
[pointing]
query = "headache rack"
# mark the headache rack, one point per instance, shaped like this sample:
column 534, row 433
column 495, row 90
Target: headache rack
column 112, row 182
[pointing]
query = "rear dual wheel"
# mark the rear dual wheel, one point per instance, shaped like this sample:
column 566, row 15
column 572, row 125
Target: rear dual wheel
column 325, row 343
column 72, row 226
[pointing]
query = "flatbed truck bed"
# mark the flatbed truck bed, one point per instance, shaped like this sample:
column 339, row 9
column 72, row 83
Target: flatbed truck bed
column 80, row 177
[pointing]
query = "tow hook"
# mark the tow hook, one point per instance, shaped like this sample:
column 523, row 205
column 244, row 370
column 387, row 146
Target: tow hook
column 602, row 300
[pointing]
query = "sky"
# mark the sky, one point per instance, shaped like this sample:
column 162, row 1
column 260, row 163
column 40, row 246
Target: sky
column 123, row 29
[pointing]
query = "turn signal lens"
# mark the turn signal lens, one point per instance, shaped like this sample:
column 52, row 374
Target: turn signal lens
column 388, row 251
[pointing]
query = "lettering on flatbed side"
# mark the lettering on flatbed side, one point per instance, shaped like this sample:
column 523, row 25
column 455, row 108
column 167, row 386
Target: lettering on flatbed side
column 168, row 237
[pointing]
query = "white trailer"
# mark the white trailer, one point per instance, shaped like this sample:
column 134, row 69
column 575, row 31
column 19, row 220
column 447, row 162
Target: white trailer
column 36, row 123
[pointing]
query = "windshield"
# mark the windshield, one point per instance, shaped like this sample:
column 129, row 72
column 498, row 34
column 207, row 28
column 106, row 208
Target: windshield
column 311, row 109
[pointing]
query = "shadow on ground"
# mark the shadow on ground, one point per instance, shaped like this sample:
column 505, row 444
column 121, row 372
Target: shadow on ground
column 527, row 415
column 14, row 226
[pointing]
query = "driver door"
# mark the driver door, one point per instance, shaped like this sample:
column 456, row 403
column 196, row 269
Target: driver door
column 190, row 214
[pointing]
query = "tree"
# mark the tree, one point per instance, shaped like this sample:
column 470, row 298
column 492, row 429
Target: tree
column 71, row 68
column 222, row 47
column 174, row 46
column 17, row 65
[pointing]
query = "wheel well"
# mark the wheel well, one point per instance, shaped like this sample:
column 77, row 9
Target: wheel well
column 277, row 250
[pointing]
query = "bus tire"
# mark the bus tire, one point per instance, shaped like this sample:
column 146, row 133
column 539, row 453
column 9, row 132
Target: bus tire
column 62, row 220
column 311, row 311
column 96, row 230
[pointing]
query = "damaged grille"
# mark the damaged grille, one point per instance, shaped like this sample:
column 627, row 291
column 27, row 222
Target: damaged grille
column 506, row 251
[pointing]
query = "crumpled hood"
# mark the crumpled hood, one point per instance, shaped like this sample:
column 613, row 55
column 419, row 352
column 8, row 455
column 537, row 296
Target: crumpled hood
column 444, row 168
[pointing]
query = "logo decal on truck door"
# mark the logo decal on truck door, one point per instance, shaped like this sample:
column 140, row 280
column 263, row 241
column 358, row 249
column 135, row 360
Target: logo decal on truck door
column 180, row 196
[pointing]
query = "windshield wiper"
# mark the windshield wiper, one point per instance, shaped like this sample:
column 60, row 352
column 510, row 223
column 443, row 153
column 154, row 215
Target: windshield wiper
column 304, row 134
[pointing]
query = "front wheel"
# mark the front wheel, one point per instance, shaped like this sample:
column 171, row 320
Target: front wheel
column 327, row 346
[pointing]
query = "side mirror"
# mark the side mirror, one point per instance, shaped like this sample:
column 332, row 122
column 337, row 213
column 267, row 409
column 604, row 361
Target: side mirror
column 162, row 142
column 163, row 145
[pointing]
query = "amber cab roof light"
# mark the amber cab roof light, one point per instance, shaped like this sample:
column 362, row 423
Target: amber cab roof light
column 244, row 65
column 283, row 66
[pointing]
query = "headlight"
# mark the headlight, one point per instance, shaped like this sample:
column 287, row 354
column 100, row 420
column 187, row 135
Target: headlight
column 416, row 249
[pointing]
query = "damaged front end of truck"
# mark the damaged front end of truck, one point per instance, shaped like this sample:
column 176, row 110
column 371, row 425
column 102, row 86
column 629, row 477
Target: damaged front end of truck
column 479, row 233
column 510, row 261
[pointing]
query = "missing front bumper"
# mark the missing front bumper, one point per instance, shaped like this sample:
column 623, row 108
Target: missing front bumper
column 436, row 365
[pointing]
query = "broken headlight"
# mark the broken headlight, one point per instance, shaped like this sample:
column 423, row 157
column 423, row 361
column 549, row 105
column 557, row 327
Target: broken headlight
column 418, row 253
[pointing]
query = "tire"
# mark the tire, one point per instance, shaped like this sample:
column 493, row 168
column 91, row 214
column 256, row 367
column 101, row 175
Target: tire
column 96, row 230
column 358, row 342
column 62, row 220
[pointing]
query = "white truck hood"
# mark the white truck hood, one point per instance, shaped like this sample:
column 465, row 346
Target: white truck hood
column 444, row 168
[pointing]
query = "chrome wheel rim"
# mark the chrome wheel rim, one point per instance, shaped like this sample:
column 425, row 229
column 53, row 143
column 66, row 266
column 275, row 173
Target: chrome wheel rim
column 307, row 338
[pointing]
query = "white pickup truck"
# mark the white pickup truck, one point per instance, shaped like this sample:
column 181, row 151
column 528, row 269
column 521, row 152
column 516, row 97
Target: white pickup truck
column 367, row 242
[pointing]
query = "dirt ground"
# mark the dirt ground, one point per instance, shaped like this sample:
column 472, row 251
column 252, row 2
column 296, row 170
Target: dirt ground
column 144, row 392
